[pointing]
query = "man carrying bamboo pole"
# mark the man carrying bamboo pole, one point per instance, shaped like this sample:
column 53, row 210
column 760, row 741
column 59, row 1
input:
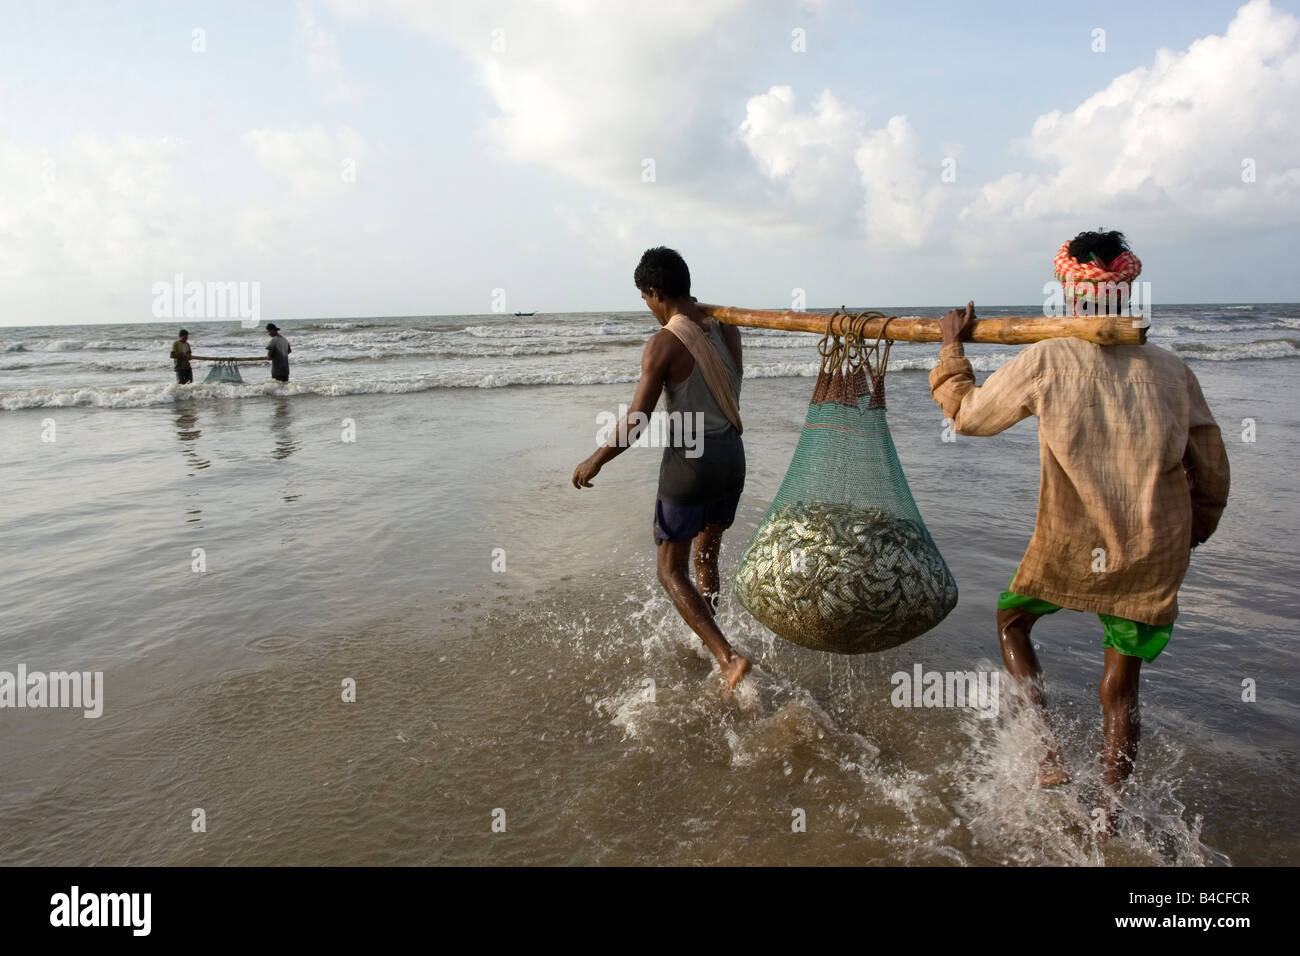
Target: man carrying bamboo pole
column 696, row 362
column 1134, row 474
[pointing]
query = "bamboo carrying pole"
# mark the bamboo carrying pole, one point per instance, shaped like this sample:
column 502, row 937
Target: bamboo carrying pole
column 213, row 358
column 1005, row 330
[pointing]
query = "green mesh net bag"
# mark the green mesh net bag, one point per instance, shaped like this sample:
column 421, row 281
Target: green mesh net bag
column 224, row 372
column 842, row 561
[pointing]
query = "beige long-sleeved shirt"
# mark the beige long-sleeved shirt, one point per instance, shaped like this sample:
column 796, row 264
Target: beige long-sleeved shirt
column 1131, row 459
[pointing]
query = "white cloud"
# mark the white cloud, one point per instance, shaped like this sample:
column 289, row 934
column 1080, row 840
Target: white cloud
column 587, row 86
column 592, row 89
column 1168, row 141
column 88, row 226
column 316, row 45
column 811, row 154
column 311, row 161
column 90, row 208
column 840, row 173
column 318, row 50
column 904, row 191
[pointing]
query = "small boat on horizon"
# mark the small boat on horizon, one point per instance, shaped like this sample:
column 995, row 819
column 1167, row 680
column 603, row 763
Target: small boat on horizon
column 525, row 313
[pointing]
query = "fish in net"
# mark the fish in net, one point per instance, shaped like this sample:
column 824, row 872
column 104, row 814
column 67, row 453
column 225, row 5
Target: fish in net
column 842, row 561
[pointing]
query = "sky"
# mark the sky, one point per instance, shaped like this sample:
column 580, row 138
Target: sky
column 394, row 157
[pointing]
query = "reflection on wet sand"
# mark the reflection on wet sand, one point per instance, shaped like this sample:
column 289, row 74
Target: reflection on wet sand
column 188, row 432
column 285, row 444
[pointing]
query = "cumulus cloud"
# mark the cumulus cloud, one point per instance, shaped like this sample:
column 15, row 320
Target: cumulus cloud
column 744, row 156
column 312, row 162
column 1172, row 140
column 591, row 89
column 594, row 89
column 316, row 45
column 810, row 154
column 89, row 208
column 838, row 171
column 317, row 48
column 904, row 192
column 88, row 226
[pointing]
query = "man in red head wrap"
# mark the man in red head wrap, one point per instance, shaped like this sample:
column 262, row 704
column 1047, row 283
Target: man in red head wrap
column 1096, row 271
column 1133, row 475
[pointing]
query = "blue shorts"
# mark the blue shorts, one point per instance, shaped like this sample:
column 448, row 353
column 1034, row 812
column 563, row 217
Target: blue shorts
column 684, row 522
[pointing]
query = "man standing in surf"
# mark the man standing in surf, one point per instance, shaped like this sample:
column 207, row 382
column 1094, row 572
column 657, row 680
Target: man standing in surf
column 1133, row 475
column 696, row 362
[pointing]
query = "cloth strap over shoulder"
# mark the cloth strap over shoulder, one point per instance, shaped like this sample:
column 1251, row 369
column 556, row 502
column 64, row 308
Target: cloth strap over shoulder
column 710, row 365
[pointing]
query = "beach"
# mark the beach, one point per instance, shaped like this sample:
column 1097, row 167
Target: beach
column 400, row 516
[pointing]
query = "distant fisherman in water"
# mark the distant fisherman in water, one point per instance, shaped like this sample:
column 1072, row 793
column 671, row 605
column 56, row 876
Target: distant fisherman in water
column 277, row 350
column 696, row 362
column 181, row 355
column 1134, row 475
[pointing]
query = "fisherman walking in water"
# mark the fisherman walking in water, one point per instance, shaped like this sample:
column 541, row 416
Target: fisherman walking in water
column 1134, row 475
column 181, row 355
column 277, row 350
column 696, row 362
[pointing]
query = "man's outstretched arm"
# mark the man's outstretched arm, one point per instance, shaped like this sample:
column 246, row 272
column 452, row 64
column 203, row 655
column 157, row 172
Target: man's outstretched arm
column 1006, row 397
column 654, row 367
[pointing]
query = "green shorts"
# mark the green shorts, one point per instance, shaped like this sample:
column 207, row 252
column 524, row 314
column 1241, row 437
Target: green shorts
column 1128, row 637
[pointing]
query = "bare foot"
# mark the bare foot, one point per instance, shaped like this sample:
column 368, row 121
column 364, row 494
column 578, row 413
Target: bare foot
column 1052, row 776
column 733, row 672
column 1052, row 772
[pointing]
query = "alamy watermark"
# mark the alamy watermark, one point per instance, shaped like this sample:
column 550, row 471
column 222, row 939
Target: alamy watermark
column 659, row 430
column 977, row 690
column 127, row 910
column 38, row 689
column 1131, row 299
column 179, row 299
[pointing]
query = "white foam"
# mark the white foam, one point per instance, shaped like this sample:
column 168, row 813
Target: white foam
column 140, row 396
column 1237, row 352
column 557, row 331
column 1007, row 812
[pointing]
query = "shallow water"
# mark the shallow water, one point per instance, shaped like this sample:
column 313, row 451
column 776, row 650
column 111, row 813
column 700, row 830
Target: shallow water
column 563, row 690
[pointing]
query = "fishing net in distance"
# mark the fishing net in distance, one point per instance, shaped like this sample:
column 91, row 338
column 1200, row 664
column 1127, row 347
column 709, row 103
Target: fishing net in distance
column 842, row 561
column 224, row 372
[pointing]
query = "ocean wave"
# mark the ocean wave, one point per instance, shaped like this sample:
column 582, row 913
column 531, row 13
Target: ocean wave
column 556, row 331
column 94, row 345
column 772, row 333
column 1241, row 351
column 56, row 345
column 985, row 362
column 1158, row 327
column 980, row 361
column 143, row 396
column 804, row 341
column 166, row 392
column 312, row 326
column 303, row 357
